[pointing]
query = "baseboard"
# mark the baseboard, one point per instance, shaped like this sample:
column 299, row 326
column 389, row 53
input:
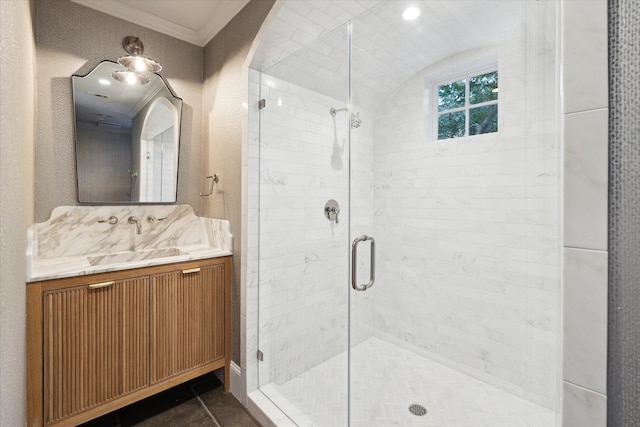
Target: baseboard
column 238, row 384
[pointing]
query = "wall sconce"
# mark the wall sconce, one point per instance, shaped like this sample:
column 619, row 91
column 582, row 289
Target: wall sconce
column 136, row 63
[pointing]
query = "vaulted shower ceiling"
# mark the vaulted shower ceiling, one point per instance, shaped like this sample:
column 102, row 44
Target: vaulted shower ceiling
column 388, row 50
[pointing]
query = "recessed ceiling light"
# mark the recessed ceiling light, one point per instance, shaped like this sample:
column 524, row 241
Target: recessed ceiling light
column 410, row 13
column 104, row 82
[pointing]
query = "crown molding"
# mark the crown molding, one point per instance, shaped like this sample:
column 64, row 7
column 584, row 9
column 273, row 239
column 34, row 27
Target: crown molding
column 223, row 13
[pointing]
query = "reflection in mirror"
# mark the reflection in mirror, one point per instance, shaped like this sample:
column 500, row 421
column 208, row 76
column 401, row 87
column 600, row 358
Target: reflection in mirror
column 127, row 139
column 157, row 145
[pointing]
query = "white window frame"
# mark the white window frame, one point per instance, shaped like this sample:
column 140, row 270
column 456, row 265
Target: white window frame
column 452, row 78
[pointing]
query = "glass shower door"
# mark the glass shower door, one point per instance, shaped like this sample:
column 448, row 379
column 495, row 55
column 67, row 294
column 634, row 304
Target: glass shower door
column 304, row 233
column 454, row 214
column 408, row 219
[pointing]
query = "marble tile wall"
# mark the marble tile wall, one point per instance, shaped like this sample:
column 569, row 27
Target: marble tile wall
column 296, row 24
column 303, row 266
column 585, row 90
column 487, row 267
column 584, row 86
column 76, row 230
column 468, row 229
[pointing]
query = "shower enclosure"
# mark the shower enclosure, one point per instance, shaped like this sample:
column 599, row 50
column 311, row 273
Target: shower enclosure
column 408, row 219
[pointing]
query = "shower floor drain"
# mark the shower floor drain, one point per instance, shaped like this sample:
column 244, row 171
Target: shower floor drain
column 418, row 410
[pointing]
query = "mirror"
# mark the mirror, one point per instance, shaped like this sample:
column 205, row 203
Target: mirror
column 127, row 138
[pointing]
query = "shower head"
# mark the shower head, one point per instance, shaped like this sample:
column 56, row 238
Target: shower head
column 333, row 111
column 355, row 117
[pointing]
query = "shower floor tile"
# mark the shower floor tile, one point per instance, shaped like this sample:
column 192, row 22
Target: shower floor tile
column 387, row 380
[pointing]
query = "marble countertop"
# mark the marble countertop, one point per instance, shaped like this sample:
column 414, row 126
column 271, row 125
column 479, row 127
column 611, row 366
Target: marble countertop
column 60, row 267
column 76, row 241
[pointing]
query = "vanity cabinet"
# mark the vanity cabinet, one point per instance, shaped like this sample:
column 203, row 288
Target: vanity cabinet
column 180, row 341
column 100, row 342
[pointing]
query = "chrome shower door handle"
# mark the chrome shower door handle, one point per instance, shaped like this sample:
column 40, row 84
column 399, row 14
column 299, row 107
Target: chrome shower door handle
column 354, row 263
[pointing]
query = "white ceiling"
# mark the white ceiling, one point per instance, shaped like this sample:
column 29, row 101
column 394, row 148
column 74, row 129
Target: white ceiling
column 194, row 21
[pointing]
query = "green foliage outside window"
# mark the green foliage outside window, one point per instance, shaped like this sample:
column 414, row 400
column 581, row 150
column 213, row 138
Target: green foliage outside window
column 451, row 125
column 475, row 101
column 451, row 95
column 482, row 88
column 483, row 119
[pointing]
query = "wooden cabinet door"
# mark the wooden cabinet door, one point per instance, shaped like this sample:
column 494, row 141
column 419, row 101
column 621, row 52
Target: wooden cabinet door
column 187, row 320
column 96, row 345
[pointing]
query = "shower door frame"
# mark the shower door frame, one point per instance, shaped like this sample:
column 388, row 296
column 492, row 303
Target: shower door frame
column 336, row 109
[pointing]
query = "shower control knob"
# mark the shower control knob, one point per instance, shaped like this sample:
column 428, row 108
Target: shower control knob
column 331, row 210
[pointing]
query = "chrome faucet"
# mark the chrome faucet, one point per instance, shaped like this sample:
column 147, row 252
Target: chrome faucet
column 137, row 222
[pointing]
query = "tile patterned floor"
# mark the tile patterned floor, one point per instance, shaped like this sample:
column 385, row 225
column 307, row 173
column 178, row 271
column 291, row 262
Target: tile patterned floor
column 198, row 403
column 387, row 380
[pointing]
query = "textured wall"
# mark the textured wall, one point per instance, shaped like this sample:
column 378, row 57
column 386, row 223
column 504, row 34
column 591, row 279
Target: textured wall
column 107, row 163
column 222, row 115
column 73, row 39
column 623, row 384
column 17, row 107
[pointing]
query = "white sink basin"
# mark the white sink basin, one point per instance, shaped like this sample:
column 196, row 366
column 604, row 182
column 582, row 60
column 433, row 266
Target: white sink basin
column 122, row 257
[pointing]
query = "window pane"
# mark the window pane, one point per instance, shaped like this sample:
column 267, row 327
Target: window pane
column 481, row 88
column 483, row 119
column 451, row 125
column 451, row 95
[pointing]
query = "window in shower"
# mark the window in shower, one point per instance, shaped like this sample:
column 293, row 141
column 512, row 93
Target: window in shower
column 468, row 105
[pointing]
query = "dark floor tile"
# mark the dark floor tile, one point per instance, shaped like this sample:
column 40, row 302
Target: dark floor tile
column 234, row 417
column 189, row 413
column 211, row 390
column 224, row 407
column 181, row 407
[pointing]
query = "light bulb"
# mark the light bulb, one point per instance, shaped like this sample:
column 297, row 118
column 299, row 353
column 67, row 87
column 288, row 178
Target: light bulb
column 139, row 65
column 131, row 78
column 410, row 13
